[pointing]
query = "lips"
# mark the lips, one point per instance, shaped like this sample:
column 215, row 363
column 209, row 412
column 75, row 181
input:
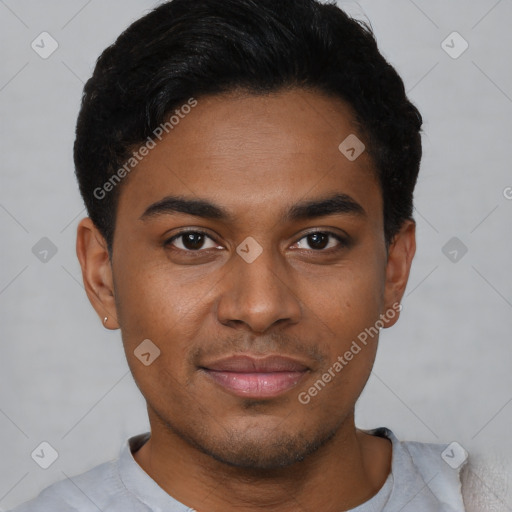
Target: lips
column 256, row 377
column 250, row 364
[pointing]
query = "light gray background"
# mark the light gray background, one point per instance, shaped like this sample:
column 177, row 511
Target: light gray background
column 442, row 373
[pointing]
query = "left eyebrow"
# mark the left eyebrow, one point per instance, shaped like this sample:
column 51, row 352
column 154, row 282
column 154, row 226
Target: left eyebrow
column 332, row 205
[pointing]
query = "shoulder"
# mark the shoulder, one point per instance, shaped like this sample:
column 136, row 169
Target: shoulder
column 100, row 488
column 484, row 478
column 440, row 466
column 426, row 475
column 82, row 493
column 472, row 482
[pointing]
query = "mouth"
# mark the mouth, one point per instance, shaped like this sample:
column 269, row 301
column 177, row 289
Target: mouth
column 256, row 377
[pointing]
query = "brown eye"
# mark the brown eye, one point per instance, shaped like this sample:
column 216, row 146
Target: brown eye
column 321, row 240
column 318, row 240
column 191, row 241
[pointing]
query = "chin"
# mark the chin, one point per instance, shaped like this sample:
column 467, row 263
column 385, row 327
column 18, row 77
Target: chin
column 266, row 451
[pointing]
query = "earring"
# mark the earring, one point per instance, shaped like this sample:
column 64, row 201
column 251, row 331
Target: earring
column 105, row 320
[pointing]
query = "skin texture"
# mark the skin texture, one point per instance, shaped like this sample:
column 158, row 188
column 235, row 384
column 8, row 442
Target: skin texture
column 255, row 156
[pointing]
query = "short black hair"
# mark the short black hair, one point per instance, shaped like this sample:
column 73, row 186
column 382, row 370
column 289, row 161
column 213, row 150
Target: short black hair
column 185, row 49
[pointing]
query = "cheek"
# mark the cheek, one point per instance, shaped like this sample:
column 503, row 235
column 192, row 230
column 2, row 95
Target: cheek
column 151, row 297
column 346, row 304
column 167, row 308
column 348, row 301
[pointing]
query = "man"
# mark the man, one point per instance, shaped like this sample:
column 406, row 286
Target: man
column 248, row 169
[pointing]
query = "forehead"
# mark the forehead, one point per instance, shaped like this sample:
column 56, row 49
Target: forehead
column 255, row 151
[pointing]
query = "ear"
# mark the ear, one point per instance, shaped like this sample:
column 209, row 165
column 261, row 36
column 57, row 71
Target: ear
column 400, row 255
column 92, row 252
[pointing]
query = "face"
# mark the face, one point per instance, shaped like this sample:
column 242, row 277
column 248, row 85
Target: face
column 250, row 251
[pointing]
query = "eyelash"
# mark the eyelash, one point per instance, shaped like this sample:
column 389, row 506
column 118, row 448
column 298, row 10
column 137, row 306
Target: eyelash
column 343, row 242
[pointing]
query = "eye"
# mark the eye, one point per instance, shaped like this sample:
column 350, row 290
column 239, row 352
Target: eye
column 197, row 241
column 322, row 241
column 191, row 241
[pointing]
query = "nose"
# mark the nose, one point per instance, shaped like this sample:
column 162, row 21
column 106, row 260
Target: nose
column 258, row 295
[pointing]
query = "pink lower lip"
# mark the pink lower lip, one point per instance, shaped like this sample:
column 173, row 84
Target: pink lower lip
column 256, row 385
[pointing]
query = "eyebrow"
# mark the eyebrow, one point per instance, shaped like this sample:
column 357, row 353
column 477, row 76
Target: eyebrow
column 332, row 205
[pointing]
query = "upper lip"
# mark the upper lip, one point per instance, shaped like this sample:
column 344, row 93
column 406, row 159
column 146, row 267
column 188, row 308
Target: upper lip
column 246, row 363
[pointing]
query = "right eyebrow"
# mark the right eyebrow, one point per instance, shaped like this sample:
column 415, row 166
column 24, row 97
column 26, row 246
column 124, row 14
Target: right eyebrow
column 178, row 204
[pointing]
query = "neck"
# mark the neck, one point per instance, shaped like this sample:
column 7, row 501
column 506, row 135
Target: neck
column 342, row 474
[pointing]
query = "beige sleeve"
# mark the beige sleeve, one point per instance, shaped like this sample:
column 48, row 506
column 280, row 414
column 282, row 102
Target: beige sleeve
column 486, row 485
